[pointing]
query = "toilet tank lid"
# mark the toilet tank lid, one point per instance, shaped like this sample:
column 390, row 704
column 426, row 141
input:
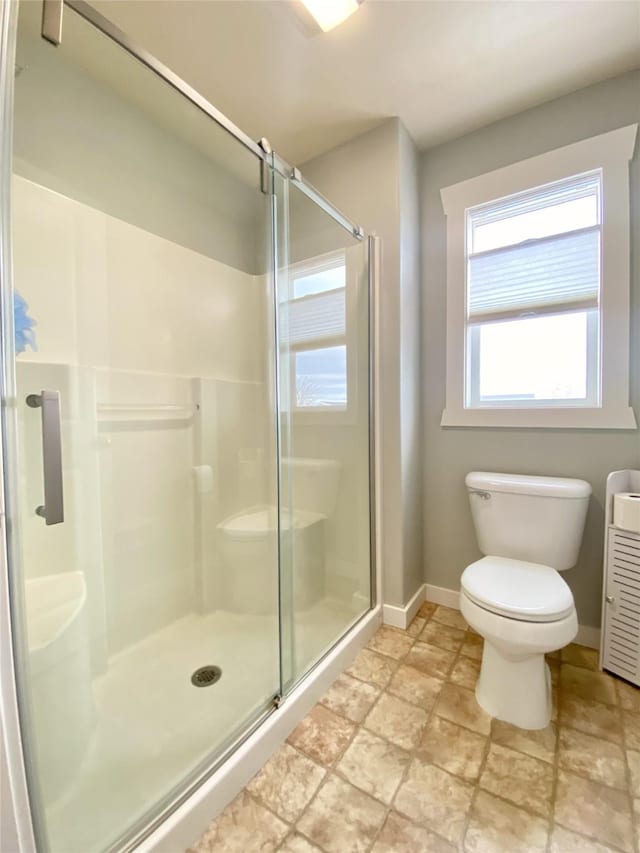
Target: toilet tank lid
column 526, row 484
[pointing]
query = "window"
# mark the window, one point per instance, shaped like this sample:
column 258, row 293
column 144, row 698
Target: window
column 532, row 296
column 538, row 290
column 314, row 328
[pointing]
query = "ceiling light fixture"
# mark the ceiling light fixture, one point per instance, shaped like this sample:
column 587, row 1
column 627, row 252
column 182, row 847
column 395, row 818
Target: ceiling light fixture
column 329, row 13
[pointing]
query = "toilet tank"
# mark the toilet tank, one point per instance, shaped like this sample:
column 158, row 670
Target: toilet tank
column 310, row 485
column 537, row 519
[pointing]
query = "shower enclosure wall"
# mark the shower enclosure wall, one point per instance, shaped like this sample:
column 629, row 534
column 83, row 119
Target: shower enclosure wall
column 186, row 342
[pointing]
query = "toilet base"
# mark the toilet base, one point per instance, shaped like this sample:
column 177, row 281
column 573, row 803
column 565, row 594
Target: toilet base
column 515, row 689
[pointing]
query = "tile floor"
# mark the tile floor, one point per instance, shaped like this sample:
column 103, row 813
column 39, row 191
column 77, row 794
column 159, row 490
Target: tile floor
column 398, row 758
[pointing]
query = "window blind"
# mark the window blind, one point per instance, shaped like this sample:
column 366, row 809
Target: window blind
column 526, row 202
column 313, row 318
column 555, row 273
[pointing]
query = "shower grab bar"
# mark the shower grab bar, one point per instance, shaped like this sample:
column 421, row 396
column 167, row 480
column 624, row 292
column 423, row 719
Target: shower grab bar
column 49, row 404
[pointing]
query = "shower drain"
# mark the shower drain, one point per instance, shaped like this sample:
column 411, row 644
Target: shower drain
column 206, row 675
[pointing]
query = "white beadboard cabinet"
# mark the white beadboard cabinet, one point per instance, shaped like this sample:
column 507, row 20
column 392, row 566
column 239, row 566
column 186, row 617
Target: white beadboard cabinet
column 620, row 638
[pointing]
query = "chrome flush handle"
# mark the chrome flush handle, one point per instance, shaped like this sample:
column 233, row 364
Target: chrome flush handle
column 484, row 496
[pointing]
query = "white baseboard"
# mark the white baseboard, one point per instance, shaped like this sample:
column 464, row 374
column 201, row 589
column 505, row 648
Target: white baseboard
column 444, row 596
column 402, row 617
column 190, row 820
column 587, row 635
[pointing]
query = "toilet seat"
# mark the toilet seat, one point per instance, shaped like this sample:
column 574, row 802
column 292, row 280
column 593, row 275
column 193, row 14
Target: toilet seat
column 528, row 592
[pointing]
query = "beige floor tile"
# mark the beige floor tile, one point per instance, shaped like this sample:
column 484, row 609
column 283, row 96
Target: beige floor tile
column 416, row 626
column 594, row 810
column 416, row 687
column 350, row 697
column 636, row 814
column 498, row 827
column 472, row 646
column 397, row 721
column 589, row 685
column 554, row 671
column 342, row 819
column 593, row 757
column 519, row 778
column 539, row 744
column 435, row 798
column 465, row 672
column 372, row 667
column 459, row 705
column 633, row 760
column 399, row 835
column 431, row 659
column 322, row 735
column 449, row 746
column 287, row 782
column 590, row 717
column 374, row 765
column 629, row 695
column 580, row 656
column 564, row 841
column 427, row 609
column 296, row 843
column 443, row 636
column 391, row 642
column 631, row 725
column 449, row 616
column 243, row 827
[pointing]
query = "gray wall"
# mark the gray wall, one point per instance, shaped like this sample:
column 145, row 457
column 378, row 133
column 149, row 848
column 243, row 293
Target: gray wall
column 449, row 542
column 373, row 179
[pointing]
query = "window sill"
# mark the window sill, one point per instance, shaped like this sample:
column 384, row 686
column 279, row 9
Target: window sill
column 560, row 418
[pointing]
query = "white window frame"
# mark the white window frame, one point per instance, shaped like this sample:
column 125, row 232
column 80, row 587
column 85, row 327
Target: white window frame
column 323, row 414
column 610, row 153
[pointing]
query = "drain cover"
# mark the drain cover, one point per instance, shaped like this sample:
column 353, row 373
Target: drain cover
column 206, row 675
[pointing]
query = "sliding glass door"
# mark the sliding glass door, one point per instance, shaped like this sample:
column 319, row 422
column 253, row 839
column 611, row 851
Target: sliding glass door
column 140, row 414
column 185, row 422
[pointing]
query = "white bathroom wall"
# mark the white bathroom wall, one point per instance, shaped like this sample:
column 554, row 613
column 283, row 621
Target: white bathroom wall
column 127, row 322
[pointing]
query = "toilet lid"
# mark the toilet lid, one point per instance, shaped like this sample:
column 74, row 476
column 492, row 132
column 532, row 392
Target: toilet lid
column 526, row 591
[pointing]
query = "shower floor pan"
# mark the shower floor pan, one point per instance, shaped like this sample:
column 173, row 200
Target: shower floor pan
column 152, row 726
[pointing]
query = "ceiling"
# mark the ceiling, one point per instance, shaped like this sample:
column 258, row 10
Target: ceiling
column 445, row 67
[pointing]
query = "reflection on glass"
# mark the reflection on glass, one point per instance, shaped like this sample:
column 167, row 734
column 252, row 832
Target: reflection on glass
column 321, row 378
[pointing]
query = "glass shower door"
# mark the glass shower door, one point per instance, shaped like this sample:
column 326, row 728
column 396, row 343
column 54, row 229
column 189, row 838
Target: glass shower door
column 140, row 412
column 324, row 371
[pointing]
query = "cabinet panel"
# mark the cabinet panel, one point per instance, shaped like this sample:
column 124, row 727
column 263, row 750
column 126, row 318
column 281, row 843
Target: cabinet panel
column 622, row 614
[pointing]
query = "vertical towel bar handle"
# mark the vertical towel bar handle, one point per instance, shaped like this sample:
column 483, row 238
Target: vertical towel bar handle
column 49, row 404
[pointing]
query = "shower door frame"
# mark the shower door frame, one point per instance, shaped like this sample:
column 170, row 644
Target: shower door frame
column 20, row 811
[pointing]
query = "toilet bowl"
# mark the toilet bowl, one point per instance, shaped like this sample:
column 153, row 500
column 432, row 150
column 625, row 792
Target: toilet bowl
column 530, row 529
column 523, row 611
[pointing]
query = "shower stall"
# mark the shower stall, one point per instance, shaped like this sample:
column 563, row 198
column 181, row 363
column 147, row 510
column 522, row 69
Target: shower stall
column 186, row 430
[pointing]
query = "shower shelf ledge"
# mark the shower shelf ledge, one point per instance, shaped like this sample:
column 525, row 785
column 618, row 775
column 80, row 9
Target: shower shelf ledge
column 140, row 412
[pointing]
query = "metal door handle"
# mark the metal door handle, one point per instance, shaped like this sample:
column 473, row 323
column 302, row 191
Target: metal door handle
column 609, row 599
column 49, row 403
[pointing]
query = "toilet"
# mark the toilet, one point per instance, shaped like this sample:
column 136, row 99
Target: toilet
column 529, row 529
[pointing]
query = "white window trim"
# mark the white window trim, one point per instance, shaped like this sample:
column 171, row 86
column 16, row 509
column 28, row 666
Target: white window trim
column 611, row 153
